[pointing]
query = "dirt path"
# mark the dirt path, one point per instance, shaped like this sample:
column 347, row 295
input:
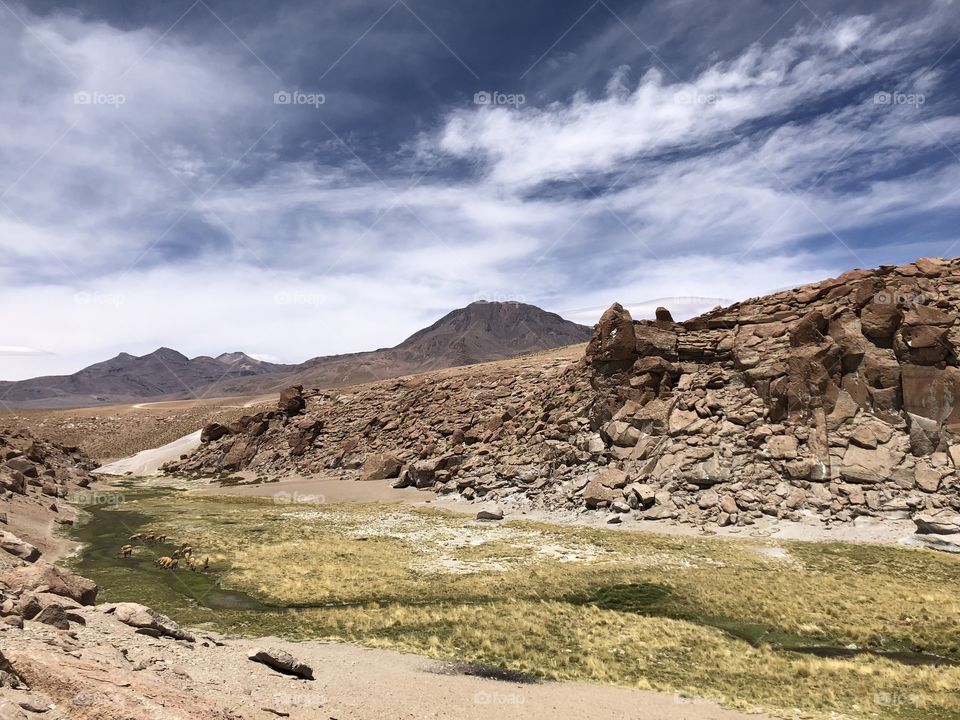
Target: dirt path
column 113, row 668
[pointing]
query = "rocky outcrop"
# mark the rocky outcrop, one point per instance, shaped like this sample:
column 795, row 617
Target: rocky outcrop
column 837, row 399
column 36, row 476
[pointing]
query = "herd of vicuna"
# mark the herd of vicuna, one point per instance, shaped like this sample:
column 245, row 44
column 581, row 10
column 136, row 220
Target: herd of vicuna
column 183, row 552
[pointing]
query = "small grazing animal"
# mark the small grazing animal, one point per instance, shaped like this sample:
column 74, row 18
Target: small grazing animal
column 126, row 551
column 168, row 563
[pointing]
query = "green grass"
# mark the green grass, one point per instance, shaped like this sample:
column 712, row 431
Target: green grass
column 704, row 616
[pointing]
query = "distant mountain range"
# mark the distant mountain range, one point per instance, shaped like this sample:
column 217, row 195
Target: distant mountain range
column 480, row 332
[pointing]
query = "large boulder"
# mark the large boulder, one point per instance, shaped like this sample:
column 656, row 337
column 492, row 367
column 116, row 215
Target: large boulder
column 941, row 523
column 20, row 548
column 656, row 341
column 613, row 346
column 604, row 488
column 213, row 432
column 383, row 466
column 879, row 321
column 931, row 392
column 144, row 618
column 57, row 582
column 55, row 615
column 292, row 401
column 13, row 480
column 282, row 661
column 865, row 465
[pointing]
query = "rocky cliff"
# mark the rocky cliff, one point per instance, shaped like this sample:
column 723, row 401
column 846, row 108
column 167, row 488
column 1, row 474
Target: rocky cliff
column 837, row 399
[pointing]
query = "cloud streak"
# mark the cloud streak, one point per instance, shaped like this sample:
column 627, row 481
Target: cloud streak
column 198, row 214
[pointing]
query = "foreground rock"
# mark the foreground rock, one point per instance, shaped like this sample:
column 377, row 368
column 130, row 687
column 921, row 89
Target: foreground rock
column 942, row 523
column 144, row 618
column 282, row 661
column 17, row 547
column 51, row 579
column 837, row 400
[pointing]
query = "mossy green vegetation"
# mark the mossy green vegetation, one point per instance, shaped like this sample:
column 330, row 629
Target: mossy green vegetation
column 750, row 623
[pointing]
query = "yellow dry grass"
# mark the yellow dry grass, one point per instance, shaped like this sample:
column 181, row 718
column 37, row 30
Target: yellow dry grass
column 640, row 610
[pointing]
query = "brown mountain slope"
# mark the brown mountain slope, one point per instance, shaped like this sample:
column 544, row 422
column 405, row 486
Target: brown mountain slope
column 128, row 378
column 837, row 400
column 479, row 332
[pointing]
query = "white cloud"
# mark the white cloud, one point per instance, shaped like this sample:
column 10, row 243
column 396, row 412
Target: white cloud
column 290, row 258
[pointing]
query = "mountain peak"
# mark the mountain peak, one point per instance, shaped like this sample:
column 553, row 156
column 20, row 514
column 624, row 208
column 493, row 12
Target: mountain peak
column 232, row 358
column 485, row 330
column 165, row 353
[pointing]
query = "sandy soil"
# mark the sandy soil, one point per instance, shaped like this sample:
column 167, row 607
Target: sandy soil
column 110, row 666
column 147, row 463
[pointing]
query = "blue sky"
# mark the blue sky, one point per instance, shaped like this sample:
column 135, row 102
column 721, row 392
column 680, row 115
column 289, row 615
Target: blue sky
column 157, row 187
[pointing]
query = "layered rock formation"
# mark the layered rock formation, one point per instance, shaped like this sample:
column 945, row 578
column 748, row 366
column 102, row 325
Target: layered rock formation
column 837, row 398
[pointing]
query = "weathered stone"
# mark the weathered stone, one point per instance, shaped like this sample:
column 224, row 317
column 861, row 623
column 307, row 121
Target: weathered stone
column 861, row 465
column 942, row 523
column 613, row 345
column 56, row 581
column 381, row 467
column 17, row 547
column 708, row 499
column 282, row 661
column 213, row 432
column 292, row 401
column 927, row 478
column 663, row 315
column 55, row 615
column 596, row 493
column 782, row 447
column 491, row 513
column 880, row 321
column 140, row 616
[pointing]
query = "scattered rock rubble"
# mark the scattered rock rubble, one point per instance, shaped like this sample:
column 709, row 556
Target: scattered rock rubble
column 836, row 399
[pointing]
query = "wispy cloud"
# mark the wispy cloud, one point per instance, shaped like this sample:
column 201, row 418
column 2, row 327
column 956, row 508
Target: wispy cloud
column 152, row 192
